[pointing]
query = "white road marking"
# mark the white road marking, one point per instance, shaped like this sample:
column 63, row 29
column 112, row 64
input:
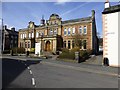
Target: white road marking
column 30, row 72
column 33, row 81
column 28, row 68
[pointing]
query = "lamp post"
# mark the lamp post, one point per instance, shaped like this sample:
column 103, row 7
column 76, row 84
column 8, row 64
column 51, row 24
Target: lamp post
column 2, row 36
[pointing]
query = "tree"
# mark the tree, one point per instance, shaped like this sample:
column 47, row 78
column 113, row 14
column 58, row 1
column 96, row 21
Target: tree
column 78, row 41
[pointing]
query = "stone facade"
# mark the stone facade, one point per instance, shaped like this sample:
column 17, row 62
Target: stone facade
column 56, row 34
column 9, row 38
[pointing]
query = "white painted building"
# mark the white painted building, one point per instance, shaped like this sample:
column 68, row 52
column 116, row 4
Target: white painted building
column 110, row 33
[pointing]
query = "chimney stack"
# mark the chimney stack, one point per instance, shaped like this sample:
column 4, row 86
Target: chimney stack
column 13, row 29
column 107, row 4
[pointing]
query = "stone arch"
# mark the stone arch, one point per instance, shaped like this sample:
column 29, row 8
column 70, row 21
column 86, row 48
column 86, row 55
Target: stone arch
column 47, row 46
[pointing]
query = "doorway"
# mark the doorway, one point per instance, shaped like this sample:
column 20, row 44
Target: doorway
column 47, row 46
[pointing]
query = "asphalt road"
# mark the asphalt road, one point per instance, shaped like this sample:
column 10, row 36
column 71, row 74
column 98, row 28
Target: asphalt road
column 48, row 74
column 15, row 74
column 53, row 76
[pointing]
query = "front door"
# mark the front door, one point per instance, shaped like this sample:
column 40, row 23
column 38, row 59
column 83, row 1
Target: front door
column 47, row 46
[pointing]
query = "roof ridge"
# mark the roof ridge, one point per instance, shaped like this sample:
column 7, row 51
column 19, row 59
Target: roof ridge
column 78, row 18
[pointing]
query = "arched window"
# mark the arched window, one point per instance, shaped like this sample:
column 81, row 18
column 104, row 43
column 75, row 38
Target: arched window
column 37, row 34
column 55, row 31
column 28, row 44
column 69, row 31
column 25, row 35
column 51, row 32
column 29, row 35
column 73, row 44
column 85, row 30
column 64, row 44
column 84, row 44
column 68, row 44
column 80, row 29
column 65, row 31
column 73, row 30
column 21, row 36
column 32, row 35
column 25, row 44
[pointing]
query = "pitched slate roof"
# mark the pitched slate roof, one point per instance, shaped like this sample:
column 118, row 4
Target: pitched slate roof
column 111, row 9
column 77, row 20
column 12, row 32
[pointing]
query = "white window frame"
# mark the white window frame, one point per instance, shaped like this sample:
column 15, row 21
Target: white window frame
column 69, row 31
column 55, row 31
column 73, row 30
column 21, row 36
column 37, row 34
column 51, row 32
column 32, row 35
column 80, row 30
column 84, row 28
column 25, row 35
column 86, row 44
column 29, row 35
column 65, row 31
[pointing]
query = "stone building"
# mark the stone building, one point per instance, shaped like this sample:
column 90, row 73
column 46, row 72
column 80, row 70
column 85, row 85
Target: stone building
column 54, row 34
column 9, row 38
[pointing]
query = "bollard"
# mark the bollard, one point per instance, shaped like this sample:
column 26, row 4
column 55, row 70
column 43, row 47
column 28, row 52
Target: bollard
column 106, row 62
column 11, row 52
column 27, row 54
column 77, row 56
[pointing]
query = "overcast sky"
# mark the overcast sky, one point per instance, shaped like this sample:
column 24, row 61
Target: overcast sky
column 18, row 14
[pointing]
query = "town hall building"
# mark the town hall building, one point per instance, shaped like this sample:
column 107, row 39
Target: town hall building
column 55, row 34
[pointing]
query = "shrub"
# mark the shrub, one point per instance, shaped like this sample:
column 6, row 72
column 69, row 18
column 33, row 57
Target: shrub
column 63, row 55
column 89, row 52
column 71, row 55
column 6, row 52
column 20, row 50
column 65, row 50
column 32, row 50
column 75, row 49
column 14, row 50
column 66, row 54
column 84, row 53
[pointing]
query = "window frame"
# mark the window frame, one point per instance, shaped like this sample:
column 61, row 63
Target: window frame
column 73, row 30
column 80, row 30
column 65, row 31
column 69, row 44
column 84, row 28
column 69, row 31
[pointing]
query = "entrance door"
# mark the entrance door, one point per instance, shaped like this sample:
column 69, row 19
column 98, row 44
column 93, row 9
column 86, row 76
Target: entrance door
column 47, row 48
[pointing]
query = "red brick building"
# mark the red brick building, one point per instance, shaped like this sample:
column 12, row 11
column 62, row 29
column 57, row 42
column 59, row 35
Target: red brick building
column 54, row 34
